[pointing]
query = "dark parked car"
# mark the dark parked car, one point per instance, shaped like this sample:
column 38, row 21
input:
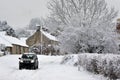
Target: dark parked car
column 28, row 60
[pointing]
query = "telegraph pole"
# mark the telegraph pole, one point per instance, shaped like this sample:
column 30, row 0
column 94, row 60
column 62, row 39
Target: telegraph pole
column 41, row 38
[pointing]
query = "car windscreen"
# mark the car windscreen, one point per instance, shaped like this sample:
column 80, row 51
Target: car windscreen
column 28, row 56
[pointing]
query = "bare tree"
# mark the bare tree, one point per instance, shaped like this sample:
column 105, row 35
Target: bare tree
column 34, row 21
column 88, row 11
column 88, row 24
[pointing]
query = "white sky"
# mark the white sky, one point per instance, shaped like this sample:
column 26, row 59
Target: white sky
column 18, row 13
column 115, row 4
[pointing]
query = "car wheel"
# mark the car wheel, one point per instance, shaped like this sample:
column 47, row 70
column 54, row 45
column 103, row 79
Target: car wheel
column 20, row 67
column 34, row 67
column 37, row 67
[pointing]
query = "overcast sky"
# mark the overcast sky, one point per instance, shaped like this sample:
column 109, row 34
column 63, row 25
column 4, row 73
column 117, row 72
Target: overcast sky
column 18, row 13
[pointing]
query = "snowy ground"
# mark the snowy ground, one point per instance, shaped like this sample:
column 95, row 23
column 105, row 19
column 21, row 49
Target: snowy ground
column 49, row 69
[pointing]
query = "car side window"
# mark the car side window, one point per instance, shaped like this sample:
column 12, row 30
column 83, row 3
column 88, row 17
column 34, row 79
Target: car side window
column 24, row 56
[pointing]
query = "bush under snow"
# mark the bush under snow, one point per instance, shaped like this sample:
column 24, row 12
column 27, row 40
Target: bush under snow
column 1, row 53
column 70, row 59
column 105, row 64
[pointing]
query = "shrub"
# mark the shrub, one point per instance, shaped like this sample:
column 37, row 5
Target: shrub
column 105, row 64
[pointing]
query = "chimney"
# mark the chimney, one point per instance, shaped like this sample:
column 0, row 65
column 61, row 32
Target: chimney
column 38, row 27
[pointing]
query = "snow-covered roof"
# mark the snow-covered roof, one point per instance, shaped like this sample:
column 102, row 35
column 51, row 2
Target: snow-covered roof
column 6, row 43
column 23, row 39
column 49, row 36
column 31, row 31
column 12, row 40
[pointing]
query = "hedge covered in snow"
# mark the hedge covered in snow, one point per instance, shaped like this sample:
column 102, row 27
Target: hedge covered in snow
column 105, row 64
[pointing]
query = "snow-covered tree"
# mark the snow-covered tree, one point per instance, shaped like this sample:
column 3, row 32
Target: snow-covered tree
column 23, row 32
column 53, row 26
column 11, row 32
column 34, row 21
column 4, row 26
column 88, row 25
column 0, row 23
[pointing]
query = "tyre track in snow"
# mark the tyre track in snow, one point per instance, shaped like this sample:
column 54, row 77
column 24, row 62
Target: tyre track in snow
column 49, row 69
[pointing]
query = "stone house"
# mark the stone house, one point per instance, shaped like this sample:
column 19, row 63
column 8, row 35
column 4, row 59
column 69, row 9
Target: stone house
column 40, row 37
column 13, row 45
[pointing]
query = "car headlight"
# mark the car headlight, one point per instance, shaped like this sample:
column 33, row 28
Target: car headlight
column 21, row 61
column 32, row 61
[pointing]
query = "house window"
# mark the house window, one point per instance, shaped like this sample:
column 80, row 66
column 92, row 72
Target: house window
column 119, row 47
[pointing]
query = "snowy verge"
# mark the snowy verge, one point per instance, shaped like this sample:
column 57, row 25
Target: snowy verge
column 1, row 53
column 107, row 65
column 70, row 60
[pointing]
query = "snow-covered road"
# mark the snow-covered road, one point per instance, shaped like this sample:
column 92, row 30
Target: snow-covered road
column 49, row 69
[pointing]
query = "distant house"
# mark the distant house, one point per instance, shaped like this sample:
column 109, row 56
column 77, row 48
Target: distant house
column 118, row 25
column 117, row 39
column 12, row 44
column 42, row 37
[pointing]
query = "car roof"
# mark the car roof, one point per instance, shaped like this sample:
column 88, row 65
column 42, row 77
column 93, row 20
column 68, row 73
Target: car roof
column 28, row 53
